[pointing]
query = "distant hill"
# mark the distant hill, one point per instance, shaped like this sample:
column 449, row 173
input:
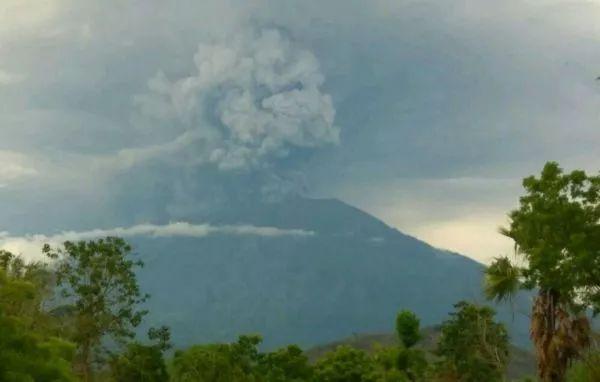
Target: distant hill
column 522, row 362
column 352, row 276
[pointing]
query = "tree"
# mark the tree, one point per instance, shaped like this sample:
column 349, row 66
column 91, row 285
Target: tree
column 28, row 353
column 284, row 365
column 410, row 361
column 234, row 362
column 388, row 362
column 407, row 328
column 556, row 231
column 344, row 364
column 98, row 278
column 143, row 362
column 474, row 347
column 30, row 285
column 29, row 356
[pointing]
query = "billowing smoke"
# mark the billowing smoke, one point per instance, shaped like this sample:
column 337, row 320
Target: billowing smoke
column 250, row 100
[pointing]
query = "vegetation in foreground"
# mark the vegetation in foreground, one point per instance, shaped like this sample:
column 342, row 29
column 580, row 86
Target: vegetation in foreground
column 556, row 231
column 75, row 318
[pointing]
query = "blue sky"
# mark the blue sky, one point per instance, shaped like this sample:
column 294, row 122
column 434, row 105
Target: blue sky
column 424, row 113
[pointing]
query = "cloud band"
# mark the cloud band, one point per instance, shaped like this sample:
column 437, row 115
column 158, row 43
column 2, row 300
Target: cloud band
column 29, row 246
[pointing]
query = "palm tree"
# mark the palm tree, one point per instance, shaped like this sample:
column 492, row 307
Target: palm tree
column 556, row 232
column 558, row 334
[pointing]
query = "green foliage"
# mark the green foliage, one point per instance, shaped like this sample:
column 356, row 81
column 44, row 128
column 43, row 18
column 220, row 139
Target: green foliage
column 284, row 365
column 502, row 280
column 407, row 328
column 143, row 362
column 345, row 364
column 389, row 366
column 217, row 362
column 586, row 369
column 27, row 353
column 98, row 279
column 139, row 363
column 162, row 336
column 473, row 346
column 413, row 363
column 239, row 362
column 410, row 362
column 557, row 232
column 30, row 284
column 28, row 356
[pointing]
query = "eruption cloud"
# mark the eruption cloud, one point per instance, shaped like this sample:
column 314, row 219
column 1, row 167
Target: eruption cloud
column 250, row 100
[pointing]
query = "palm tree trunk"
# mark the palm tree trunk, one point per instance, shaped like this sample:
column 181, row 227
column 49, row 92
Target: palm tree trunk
column 542, row 334
column 558, row 337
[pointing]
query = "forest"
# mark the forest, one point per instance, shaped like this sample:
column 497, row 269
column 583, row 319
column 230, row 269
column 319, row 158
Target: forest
column 74, row 316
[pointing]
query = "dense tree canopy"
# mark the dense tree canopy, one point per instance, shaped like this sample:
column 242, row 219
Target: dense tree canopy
column 141, row 362
column 29, row 350
column 474, row 347
column 288, row 364
column 345, row 364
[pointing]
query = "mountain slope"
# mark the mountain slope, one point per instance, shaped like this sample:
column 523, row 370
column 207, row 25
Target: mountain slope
column 352, row 275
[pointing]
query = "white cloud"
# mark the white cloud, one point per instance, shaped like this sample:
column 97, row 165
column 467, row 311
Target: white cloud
column 24, row 16
column 29, row 246
column 14, row 166
column 8, row 78
column 252, row 98
column 11, row 171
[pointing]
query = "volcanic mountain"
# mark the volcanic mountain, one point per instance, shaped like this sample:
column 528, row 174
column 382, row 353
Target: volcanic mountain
column 347, row 273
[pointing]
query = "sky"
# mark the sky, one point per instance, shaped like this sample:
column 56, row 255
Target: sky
column 426, row 114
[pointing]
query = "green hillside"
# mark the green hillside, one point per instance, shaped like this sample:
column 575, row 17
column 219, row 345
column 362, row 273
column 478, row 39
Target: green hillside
column 522, row 362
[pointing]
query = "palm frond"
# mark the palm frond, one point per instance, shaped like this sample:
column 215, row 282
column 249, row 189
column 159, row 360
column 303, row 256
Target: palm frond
column 502, row 280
